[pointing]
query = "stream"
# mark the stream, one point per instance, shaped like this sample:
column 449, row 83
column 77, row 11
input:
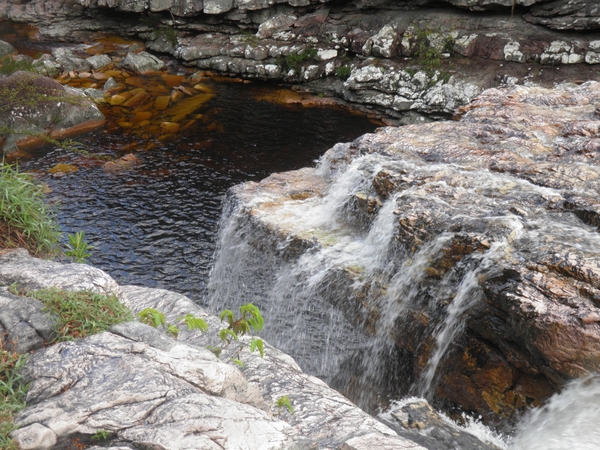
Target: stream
column 158, row 224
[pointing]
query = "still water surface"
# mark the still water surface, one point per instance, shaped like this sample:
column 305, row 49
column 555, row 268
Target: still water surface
column 155, row 224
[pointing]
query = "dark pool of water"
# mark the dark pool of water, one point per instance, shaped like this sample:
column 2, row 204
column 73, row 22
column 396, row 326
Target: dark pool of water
column 156, row 224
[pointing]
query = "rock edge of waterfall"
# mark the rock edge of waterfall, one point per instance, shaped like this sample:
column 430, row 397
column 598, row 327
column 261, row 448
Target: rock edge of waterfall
column 145, row 389
column 495, row 218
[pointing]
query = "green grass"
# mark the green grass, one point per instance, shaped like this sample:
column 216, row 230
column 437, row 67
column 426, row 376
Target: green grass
column 81, row 313
column 12, row 394
column 25, row 219
column 8, row 65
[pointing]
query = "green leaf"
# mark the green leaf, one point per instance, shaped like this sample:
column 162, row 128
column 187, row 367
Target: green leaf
column 226, row 335
column 257, row 344
column 284, row 401
column 152, row 317
column 194, row 323
column 238, row 362
column 226, row 316
column 173, row 331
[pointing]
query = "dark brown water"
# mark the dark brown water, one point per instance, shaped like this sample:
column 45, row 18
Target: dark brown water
column 156, row 224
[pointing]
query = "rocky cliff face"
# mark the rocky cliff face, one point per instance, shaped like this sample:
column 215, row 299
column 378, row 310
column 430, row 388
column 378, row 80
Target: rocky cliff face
column 469, row 247
column 403, row 58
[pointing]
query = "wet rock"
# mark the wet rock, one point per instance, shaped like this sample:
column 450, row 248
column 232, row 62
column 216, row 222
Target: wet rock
column 123, row 163
column 142, row 62
column 417, row 420
column 490, row 252
column 6, row 49
column 98, row 62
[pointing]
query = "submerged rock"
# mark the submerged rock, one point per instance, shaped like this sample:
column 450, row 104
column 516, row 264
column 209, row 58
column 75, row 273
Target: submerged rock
column 472, row 246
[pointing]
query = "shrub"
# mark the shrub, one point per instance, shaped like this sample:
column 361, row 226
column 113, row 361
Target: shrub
column 343, row 73
column 25, row 219
column 296, row 60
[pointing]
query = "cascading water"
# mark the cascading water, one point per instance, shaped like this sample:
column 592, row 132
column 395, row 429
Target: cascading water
column 323, row 270
column 569, row 420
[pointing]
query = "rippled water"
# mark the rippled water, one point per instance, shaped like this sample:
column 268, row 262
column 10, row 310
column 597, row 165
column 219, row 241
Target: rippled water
column 155, row 225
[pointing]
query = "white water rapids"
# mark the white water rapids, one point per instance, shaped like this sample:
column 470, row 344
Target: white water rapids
column 305, row 297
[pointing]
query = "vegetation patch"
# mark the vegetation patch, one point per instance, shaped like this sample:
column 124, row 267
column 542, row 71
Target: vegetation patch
column 343, row 73
column 294, row 61
column 429, row 54
column 9, row 65
column 249, row 320
column 12, row 394
column 81, row 313
column 25, row 219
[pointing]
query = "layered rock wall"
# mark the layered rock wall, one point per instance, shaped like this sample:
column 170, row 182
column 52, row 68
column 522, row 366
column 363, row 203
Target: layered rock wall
column 393, row 56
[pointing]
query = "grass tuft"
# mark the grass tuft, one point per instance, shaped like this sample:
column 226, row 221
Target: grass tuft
column 82, row 313
column 12, row 394
column 25, row 219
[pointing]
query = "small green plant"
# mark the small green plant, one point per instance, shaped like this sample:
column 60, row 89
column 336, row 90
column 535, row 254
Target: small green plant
column 156, row 319
column 250, row 38
column 78, row 248
column 430, row 56
column 25, row 219
column 284, row 402
column 250, row 320
column 294, row 61
column 9, row 65
column 343, row 73
column 167, row 33
column 101, row 435
column 81, row 313
column 13, row 390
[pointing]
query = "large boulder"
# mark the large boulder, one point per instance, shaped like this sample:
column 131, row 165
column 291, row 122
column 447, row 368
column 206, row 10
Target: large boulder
column 468, row 247
column 137, row 387
column 35, row 109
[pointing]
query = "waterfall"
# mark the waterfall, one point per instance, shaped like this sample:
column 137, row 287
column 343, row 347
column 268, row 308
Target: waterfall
column 340, row 287
column 569, row 420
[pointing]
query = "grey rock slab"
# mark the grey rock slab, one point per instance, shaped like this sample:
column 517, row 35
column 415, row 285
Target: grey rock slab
column 19, row 267
column 275, row 24
column 25, row 326
column 142, row 62
column 199, row 421
column 73, row 114
column 217, row 6
column 321, row 414
column 6, row 49
column 34, row 437
column 98, row 62
column 108, row 382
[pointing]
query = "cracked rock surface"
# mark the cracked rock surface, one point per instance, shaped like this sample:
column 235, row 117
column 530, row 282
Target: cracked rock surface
column 148, row 390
